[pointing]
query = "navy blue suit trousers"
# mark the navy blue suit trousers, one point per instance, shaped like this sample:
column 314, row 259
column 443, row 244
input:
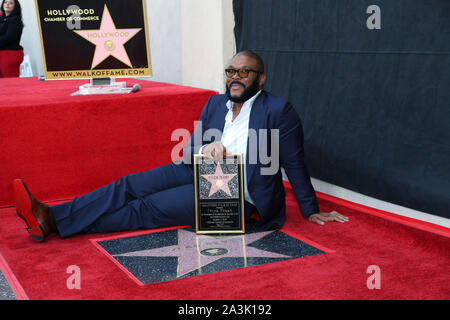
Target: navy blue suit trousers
column 161, row 197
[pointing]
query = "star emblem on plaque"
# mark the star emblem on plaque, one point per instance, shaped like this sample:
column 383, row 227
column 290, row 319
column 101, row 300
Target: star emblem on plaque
column 219, row 195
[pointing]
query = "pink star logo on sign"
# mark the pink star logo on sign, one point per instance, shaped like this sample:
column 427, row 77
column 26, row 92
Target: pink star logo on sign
column 108, row 40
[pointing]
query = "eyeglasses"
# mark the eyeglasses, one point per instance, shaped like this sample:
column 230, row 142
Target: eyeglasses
column 243, row 73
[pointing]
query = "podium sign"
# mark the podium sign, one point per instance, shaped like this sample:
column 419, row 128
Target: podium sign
column 94, row 38
column 219, row 195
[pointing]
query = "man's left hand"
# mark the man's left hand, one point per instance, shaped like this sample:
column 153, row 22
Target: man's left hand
column 322, row 217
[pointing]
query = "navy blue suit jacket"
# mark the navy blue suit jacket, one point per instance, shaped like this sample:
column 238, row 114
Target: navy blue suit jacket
column 267, row 191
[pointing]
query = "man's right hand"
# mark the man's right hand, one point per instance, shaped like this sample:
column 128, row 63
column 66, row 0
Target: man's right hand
column 215, row 151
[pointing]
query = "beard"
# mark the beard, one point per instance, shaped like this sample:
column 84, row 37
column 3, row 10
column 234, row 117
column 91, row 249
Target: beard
column 249, row 92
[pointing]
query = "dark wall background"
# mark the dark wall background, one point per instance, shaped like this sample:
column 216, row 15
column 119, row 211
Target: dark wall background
column 375, row 104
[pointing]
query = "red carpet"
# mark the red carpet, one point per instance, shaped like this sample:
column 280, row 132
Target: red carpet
column 63, row 146
column 81, row 142
column 414, row 264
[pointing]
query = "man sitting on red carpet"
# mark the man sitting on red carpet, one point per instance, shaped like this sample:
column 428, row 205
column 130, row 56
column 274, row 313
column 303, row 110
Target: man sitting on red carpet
column 164, row 196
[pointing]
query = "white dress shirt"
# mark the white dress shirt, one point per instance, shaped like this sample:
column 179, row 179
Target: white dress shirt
column 235, row 134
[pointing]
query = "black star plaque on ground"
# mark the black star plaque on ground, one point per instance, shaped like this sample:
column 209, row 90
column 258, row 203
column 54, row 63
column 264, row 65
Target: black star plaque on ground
column 180, row 253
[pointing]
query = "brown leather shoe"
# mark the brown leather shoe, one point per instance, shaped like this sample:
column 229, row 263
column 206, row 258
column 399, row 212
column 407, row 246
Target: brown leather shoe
column 37, row 216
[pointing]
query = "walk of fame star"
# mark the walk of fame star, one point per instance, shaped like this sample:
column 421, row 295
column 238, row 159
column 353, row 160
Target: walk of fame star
column 108, row 40
column 179, row 253
column 194, row 251
column 219, row 181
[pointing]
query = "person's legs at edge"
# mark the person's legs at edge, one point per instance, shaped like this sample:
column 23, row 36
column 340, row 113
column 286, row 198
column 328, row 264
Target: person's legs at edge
column 1, row 67
column 77, row 215
column 10, row 63
column 169, row 207
column 121, row 202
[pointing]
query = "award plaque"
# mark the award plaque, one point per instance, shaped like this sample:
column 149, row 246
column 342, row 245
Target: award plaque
column 219, row 195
